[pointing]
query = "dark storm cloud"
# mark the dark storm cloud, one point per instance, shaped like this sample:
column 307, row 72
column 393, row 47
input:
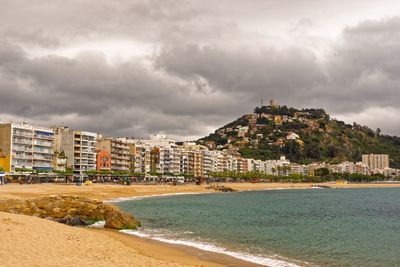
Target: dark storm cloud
column 210, row 62
column 94, row 95
column 290, row 74
column 361, row 73
column 365, row 69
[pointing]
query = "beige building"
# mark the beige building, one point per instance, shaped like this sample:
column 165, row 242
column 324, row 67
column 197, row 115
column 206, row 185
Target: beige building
column 195, row 163
column 118, row 150
column 25, row 146
column 139, row 155
column 79, row 147
column 376, row 161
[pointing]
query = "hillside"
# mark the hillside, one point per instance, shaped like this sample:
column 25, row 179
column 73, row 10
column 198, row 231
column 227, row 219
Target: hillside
column 303, row 136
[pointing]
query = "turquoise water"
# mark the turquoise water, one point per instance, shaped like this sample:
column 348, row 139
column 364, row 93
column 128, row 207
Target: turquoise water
column 323, row 227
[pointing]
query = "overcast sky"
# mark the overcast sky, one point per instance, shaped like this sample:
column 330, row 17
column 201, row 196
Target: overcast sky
column 185, row 68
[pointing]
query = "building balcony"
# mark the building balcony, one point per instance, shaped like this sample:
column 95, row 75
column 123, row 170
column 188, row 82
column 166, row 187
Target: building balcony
column 22, row 141
column 36, row 157
column 22, row 156
column 41, row 164
column 21, row 162
column 43, row 144
column 44, row 137
column 43, row 151
column 26, row 149
column 23, row 134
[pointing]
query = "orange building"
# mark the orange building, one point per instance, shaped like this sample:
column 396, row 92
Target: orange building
column 103, row 161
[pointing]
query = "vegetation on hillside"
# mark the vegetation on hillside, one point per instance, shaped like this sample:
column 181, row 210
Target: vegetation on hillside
column 317, row 137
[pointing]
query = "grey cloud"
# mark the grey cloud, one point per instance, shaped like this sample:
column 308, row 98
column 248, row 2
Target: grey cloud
column 129, row 99
column 362, row 72
column 212, row 62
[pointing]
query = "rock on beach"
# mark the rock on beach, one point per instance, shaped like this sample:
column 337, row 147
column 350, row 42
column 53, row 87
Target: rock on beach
column 71, row 210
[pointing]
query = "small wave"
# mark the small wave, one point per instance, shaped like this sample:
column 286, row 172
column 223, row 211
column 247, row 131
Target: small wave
column 99, row 224
column 217, row 249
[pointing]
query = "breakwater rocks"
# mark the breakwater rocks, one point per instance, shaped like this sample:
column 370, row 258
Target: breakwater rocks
column 71, row 210
column 221, row 188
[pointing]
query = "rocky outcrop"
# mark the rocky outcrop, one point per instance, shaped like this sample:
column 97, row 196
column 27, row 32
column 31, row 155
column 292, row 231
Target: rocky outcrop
column 221, row 188
column 71, row 210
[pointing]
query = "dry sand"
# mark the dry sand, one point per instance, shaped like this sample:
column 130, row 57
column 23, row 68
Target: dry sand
column 30, row 241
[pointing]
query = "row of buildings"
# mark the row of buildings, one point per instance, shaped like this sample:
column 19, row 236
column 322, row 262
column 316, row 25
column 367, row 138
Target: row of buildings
column 25, row 147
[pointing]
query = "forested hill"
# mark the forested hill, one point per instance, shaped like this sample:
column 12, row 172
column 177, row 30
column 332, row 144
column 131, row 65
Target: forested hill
column 303, row 136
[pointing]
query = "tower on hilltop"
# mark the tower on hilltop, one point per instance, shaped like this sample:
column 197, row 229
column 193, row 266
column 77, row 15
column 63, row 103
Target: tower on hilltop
column 272, row 103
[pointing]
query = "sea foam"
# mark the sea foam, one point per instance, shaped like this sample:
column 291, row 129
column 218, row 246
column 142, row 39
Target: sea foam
column 262, row 260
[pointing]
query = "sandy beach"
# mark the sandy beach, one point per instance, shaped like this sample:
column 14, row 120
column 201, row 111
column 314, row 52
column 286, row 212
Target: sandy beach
column 30, row 241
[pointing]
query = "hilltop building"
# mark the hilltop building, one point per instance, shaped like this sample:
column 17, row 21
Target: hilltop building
column 272, row 103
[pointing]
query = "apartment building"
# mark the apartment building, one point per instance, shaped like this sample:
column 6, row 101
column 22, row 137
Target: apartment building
column 170, row 160
column 277, row 167
column 158, row 140
column 362, row 168
column 132, row 158
column 195, row 163
column 142, row 158
column 376, row 161
column 210, row 161
column 25, row 146
column 347, row 167
column 183, row 155
column 103, row 161
column 118, row 150
column 79, row 147
column 139, row 155
column 243, row 165
column 155, row 160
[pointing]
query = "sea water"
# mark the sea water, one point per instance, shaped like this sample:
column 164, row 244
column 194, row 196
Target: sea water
column 310, row 227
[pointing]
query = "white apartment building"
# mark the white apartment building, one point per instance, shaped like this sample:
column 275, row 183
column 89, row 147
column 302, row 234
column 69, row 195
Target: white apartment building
column 141, row 158
column 79, row 147
column 25, row 146
column 347, row 167
column 210, row 157
column 298, row 169
column 271, row 166
column 157, row 140
column 169, row 159
column 376, row 161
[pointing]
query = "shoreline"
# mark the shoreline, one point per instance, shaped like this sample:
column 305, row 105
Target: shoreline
column 177, row 253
